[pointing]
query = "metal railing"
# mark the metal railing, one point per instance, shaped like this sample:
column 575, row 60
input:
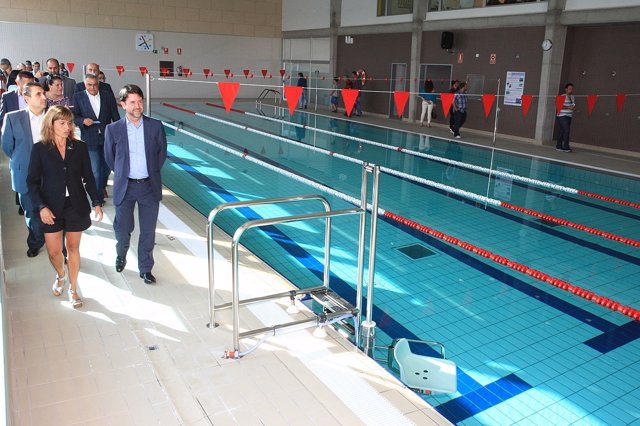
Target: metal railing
column 323, row 292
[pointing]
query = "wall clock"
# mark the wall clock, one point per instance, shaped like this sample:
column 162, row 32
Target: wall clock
column 144, row 42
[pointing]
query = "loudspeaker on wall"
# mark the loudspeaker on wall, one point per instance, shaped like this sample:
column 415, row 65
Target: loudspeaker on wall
column 446, row 41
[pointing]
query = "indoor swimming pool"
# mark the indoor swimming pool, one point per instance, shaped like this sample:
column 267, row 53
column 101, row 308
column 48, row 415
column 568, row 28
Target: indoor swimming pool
column 477, row 249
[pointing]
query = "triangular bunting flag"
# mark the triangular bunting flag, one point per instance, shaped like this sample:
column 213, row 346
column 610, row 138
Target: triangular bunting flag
column 559, row 103
column 70, row 66
column 487, row 101
column 228, row 90
column 164, row 72
column 264, row 73
column 526, row 103
column 246, row 73
column 206, row 72
column 120, row 69
column 187, row 72
column 292, row 93
column 447, row 100
column 591, row 102
column 227, row 72
column 401, row 101
column 620, row 101
column 282, row 73
column 349, row 97
column 143, row 70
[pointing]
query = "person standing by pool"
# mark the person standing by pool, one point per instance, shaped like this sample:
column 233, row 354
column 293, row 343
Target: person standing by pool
column 334, row 95
column 135, row 148
column 459, row 109
column 59, row 180
column 428, row 102
column 564, row 119
column 302, row 82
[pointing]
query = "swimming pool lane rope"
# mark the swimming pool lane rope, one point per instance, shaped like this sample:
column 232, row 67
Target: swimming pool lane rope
column 518, row 178
column 466, row 194
column 539, row 275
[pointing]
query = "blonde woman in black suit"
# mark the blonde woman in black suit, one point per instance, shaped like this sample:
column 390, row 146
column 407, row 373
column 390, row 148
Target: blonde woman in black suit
column 59, row 180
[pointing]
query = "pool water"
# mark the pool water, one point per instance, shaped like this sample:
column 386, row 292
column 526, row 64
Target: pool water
column 526, row 351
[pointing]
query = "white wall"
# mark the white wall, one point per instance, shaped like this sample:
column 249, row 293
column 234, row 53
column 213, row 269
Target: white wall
column 305, row 14
column 363, row 12
column 111, row 47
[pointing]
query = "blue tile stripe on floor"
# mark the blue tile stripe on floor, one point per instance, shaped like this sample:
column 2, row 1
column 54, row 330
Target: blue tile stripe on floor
column 613, row 339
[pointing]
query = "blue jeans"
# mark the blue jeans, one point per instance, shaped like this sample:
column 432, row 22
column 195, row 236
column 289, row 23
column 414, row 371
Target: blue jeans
column 35, row 239
column 564, row 130
column 100, row 170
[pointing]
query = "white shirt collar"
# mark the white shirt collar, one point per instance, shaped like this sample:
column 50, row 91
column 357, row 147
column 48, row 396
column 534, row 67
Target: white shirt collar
column 32, row 116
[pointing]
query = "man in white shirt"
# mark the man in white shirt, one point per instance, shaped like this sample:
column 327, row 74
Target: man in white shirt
column 17, row 144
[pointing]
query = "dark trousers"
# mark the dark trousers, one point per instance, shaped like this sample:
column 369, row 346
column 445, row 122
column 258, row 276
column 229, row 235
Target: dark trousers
column 564, row 129
column 100, row 170
column 35, row 239
column 459, row 117
column 452, row 119
column 123, row 224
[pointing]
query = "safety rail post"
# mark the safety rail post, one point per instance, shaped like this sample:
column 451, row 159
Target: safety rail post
column 366, row 169
column 369, row 326
column 147, row 87
column 234, row 205
column 235, row 242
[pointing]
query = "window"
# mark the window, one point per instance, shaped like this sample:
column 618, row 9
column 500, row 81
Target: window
column 394, row 7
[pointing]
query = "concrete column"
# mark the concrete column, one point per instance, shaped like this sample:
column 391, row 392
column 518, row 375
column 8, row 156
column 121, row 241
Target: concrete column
column 419, row 11
column 334, row 25
column 550, row 73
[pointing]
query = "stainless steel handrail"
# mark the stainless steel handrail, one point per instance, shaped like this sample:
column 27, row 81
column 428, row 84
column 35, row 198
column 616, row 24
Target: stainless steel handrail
column 277, row 96
column 266, row 222
column 238, row 204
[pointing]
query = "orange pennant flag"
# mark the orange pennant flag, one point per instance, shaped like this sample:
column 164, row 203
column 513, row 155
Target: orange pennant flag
column 292, row 93
column 227, row 72
column 526, row 103
column 591, row 102
column 186, row 72
column 120, row 69
column 559, row 103
column 70, row 66
column 206, row 72
column 401, row 99
column 164, row 71
column 264, row 73
column 349, row 97
column 620, row 101
column 487, row 101
column 447, row 100
column 282, row 73
column 228, row 90
column 246, row 73
column 143, row 70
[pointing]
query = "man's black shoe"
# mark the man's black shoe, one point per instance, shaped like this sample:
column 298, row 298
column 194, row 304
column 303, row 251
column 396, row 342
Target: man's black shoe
column 33, row 252
column 148, row 277
column 121, row 262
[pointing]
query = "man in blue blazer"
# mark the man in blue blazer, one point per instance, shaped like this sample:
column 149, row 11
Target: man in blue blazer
column 20, row 130
column 135, row 148
column 14, row 99
column 94, row 109
column 94, row 69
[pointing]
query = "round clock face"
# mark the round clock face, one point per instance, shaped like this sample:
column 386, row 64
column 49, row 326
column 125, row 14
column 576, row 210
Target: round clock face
column 144, row 42
column 546, row 44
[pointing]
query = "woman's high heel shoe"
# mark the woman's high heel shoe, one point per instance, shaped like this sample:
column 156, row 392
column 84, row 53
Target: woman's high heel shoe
column 58, row 285
column 76, row 302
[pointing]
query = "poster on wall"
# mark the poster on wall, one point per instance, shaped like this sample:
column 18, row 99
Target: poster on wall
column 514, row 88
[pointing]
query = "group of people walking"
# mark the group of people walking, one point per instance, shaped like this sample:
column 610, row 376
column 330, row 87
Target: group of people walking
column 55, row 174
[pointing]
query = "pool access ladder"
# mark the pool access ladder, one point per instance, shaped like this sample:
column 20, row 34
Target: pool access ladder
column 335, row 309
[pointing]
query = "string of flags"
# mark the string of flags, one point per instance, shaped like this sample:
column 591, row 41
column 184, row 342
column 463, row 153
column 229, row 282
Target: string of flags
column 229, row 91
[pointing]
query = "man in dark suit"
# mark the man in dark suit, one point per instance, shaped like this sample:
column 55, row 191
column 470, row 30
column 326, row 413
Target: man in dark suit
column 14, row 100
column 94, row 109
column 95, row 70
column 135, row 148
column 20, row 130
column 68, row 84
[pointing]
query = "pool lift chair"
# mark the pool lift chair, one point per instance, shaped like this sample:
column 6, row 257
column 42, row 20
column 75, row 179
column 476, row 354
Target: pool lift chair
column 422, row 373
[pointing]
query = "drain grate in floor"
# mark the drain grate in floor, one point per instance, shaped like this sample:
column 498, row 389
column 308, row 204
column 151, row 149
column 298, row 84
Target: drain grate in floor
column 416, row 251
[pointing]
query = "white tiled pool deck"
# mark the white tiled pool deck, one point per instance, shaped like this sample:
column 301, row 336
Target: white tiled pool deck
column 142, row 355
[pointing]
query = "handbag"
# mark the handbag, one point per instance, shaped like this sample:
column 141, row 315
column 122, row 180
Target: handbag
column 434, row 114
